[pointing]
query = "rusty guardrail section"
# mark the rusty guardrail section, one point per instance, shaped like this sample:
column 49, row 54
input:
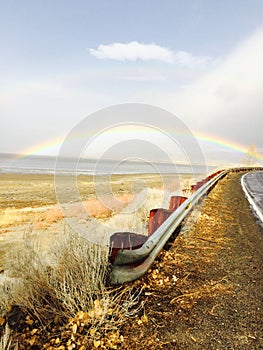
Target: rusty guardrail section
column 138, row 252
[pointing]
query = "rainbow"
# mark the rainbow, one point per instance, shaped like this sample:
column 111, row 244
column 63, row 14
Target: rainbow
column 219, row 141
column 55, row 144
column 226, row 144
column 42, row 148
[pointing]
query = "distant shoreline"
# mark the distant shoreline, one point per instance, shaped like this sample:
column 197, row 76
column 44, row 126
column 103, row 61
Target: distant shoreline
column 49, row 165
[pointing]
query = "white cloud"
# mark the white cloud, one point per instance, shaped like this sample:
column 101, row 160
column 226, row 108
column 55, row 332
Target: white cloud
column 134, row 51
column 227, row 101
column 187, row 59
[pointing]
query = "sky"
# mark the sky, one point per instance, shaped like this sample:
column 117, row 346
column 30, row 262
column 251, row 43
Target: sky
column 62, row 60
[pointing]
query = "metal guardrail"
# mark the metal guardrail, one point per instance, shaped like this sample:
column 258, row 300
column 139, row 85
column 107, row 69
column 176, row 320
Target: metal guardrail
column 130, row 265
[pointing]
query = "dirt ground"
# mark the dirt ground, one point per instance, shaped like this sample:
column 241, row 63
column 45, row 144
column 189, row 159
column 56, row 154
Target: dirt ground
column 205, row 292
column 205, row 289
column 28, row 202
column 35, row 190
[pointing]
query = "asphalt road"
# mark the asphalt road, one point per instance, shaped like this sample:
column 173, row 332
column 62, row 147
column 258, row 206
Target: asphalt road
column 253, row 183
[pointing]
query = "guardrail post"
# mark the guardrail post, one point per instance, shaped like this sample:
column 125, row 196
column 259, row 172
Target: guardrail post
column 176, row 201
column 125, row 241
column 193, row 188
column 157, row 217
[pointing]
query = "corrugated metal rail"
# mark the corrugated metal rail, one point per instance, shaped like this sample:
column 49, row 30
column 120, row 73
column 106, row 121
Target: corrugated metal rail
column 130, row 263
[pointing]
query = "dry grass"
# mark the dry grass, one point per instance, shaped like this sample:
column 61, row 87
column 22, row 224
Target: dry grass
column 6, row 341
column 67, row 287
column 203, row 292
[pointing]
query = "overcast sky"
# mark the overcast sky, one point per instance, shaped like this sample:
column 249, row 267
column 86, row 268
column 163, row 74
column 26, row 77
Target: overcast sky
column 61, row 60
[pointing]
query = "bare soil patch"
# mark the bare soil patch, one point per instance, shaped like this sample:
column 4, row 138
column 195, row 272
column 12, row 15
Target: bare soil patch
column 205, row 292
column 34, row 190
column 28, row 202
